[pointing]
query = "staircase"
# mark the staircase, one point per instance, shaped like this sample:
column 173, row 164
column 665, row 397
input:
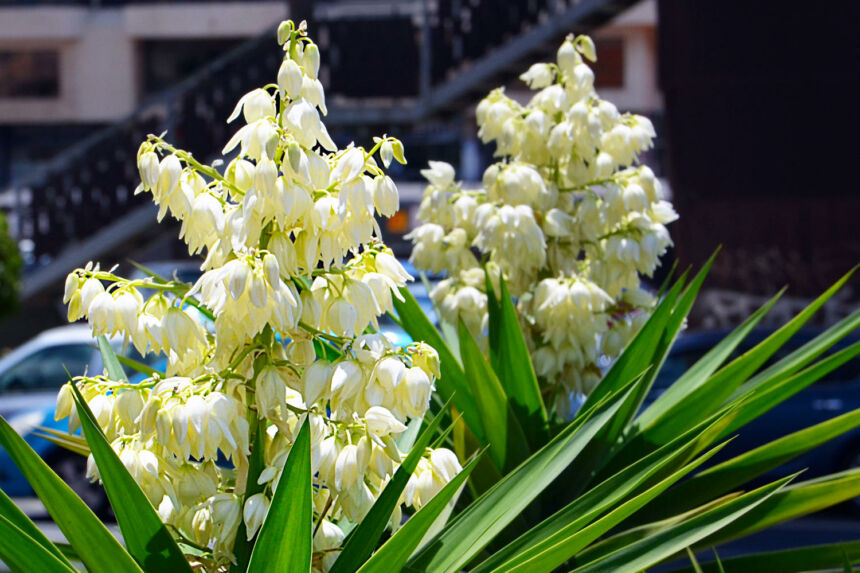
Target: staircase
column 448, row 54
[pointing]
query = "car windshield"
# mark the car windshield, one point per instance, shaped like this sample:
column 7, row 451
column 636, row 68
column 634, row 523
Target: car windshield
column 44, row 369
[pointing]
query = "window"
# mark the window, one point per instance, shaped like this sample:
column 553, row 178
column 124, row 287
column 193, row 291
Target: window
column 30, row 74
column 43, row 370
column 609, row 67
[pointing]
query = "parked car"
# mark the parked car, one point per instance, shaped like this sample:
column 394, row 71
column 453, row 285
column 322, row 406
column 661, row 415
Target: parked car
column 835, row 394
column 30, row 377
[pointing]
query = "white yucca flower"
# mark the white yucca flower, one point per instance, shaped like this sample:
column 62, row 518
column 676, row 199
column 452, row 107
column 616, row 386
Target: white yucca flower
column 276, row 226
column 566, row 203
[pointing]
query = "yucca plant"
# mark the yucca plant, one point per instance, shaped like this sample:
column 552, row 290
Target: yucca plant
column 310, row 407
column 620, row 487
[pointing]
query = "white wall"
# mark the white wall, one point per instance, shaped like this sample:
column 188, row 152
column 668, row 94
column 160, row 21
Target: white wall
column 637, row 28
column 98, row 70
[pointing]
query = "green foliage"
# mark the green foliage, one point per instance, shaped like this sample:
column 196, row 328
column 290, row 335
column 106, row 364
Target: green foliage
column 10, row 269
column 146, row 537
column 284, row 542
column 615, row 489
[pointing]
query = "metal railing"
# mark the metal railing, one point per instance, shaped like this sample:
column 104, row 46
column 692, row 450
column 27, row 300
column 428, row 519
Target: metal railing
column 93, row 182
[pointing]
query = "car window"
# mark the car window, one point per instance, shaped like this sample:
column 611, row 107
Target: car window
column 44, row 369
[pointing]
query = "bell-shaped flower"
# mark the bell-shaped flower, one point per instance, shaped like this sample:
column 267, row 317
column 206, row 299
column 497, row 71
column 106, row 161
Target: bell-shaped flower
column 254, row 513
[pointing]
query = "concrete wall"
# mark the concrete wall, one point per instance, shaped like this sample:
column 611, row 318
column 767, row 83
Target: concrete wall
column 637, row 28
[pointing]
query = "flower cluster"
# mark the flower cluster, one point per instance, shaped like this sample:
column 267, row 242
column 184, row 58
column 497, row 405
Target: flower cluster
column 279, row 328
column 567, row 216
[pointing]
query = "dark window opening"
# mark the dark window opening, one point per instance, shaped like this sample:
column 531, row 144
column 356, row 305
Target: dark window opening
column 609, row 67
column 29, row 74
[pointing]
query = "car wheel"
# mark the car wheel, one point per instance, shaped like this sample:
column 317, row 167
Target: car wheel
column 72, row 469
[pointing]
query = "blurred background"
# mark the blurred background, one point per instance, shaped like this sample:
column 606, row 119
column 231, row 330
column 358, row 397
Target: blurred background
column 755, row 106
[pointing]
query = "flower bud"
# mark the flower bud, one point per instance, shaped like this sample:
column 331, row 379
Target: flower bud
column 342, row 317
column 425, row 357
column 254, row 513
column 73, row 284
column 385, row 196
column 538, row 76
column 585, row 46
column 381, row 422
column 65, row 402
column 285, row 28
column 386, row 152
column 265, row 175
column 272, row 270
column 567, row 58
column 316, row 381
column 147, row 165
column 290, row 79
column 311, row 60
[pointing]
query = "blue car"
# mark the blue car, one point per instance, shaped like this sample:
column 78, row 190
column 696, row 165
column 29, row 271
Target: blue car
column 835, row 394
column 30, row 377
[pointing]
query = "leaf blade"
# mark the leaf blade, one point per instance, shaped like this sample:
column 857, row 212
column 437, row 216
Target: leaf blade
column 290, row 515
column 655, row 548
column 24, row 554
column 111, row 362
column 740, row 469
column 98, row 548
column 452, row 384
column 479, row 523
column 16, row 517
column 146, row 538
column 513, row 365
column 365, row 536
column 812, row 558
column 505, row 435
column 396, row 551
